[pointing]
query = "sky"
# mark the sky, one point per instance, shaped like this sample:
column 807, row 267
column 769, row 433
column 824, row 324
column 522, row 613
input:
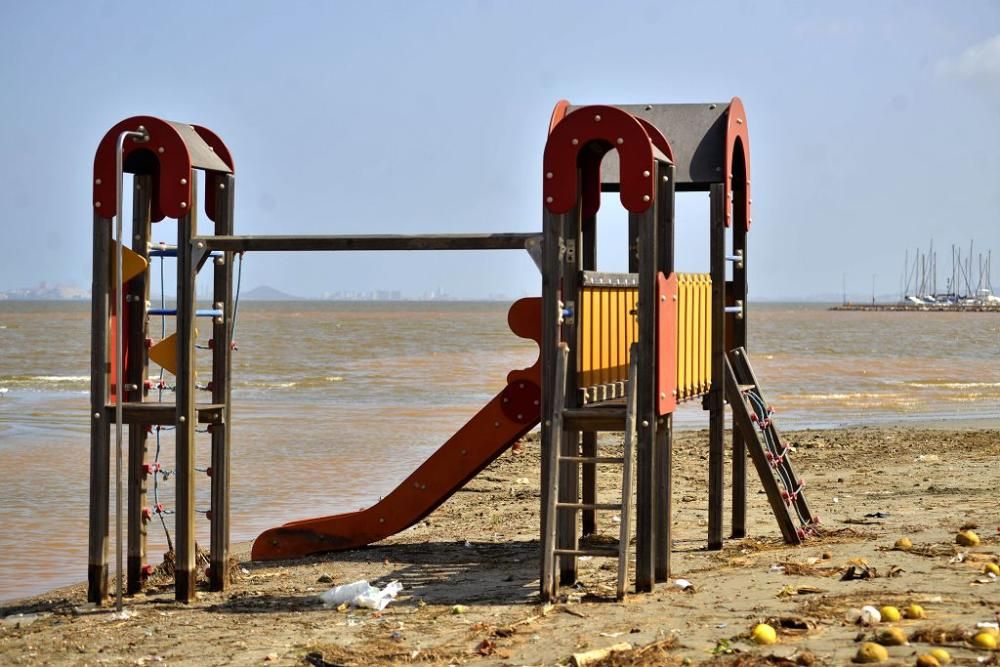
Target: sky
column 873, row 127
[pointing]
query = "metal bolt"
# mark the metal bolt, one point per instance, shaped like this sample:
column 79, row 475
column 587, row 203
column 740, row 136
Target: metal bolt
column 739, row 121
column 182, row 419
column 199, row 244
column 597, row 118
column 712, row 106
column 548, row 200
column 666, row 179
column 620, row 141
column 536, row 401
column 548, row 422
column 548, row 174
column 217, row 320
column 184, row 181
column 645, row 173
column 160, row 149
column 222, row 186
column 97, row 415
column 97, row 181
column 645, row 198
column 463, row 452
column 496, row 424
column 97, row 204
column 381, row 519
column 519, row 417
column 675, row 297
column 218, row 305
column 137, row 237
column 663, row 395
column 220, row 261
column 663, row 297
column 645, row 423
column 575, row 142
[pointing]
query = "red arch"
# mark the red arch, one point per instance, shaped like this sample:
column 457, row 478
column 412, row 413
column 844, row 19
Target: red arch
column 213, row 179
column 737, row 133
column 173, row 191
column 608, row 128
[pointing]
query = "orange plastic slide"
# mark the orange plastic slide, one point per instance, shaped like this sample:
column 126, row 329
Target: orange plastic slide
column 506, row 418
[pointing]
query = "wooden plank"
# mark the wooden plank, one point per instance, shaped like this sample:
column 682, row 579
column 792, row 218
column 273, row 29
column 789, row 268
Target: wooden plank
column 368, row 242
column 135, row 375
column 646, row 483
column 222, row 296
column 588, row 472
column 185, row 576
column 100, row 431
column 716, row 395
column 164, row 414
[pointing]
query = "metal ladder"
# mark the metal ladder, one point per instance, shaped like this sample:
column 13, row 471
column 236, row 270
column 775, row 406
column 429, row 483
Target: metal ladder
column 753, row 417
column 549, row 549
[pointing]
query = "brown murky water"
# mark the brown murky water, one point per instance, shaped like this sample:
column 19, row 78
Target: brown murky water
column 334, row 403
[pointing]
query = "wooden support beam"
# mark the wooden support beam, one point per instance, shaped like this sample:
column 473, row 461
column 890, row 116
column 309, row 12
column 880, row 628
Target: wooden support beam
column 716, row 395
column 551, row 282
column 739, row 339
column 664, row 439
column 221, row 389
column 567, row 521
column 185, row 576
column 100, row 426
column 588, row 444
column 644, row 225
column 369, row 242
column 135, row 376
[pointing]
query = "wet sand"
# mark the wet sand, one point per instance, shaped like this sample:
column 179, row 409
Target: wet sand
column 480, row 550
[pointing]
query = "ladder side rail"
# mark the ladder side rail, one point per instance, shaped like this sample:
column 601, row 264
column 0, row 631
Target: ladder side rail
column 625, row 529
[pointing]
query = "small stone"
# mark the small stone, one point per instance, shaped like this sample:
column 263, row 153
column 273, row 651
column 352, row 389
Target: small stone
column 325, row 579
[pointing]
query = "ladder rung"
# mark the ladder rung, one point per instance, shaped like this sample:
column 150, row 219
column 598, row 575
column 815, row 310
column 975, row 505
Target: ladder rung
column 609, row 553
column 588, row 506
column 595, row 419
column 593, row 459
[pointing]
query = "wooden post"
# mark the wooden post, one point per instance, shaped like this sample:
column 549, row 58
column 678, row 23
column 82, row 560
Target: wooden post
column 221, row 392
column 588, row 258
column 552, row 225
column 646, row 486
column 664, row 437
column 739, row 339
column 716, row 395
column 187, row 417
column 567, row 521
column 135, row 375
column 100, row 429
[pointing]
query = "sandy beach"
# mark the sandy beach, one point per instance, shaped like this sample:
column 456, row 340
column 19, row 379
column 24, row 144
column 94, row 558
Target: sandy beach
column 469, row 576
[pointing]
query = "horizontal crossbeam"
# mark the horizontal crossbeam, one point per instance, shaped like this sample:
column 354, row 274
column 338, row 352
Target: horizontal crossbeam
column 369, row 242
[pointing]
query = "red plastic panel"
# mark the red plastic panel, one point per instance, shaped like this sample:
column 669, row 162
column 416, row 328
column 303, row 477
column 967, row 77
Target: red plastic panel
column 666, row 343
column 172, row 191
column 600, row 129
column 736, row 131
column 212, row 179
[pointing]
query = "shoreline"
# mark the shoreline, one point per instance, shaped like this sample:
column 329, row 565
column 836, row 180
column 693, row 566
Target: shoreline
column 480, row 551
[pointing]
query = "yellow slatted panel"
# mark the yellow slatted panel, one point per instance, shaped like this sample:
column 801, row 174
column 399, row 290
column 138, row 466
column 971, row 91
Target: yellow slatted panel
column 583, row 364
column 707, row 328
column 613, row 360
column 605, row 341
column 699, row 344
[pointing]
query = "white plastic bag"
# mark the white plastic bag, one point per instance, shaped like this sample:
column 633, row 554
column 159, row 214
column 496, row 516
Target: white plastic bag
column 361, row 594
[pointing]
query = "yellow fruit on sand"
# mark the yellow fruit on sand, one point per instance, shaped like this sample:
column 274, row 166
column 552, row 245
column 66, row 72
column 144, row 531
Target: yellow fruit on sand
column 942, row 656
column 892, row 637
column 890, row 614
column 914, row 611
column 992, row 568
column 927, row 660
column 764, row 634
column 985, row 640
column 903, row 544
column 871, row 652
column 967, row 538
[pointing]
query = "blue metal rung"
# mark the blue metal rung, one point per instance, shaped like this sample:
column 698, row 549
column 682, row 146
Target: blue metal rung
column 198, row 313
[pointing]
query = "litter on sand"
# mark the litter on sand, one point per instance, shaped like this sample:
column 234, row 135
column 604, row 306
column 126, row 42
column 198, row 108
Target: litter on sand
column 361, row 594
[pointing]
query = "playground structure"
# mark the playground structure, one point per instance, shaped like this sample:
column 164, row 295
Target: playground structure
column 618, row 351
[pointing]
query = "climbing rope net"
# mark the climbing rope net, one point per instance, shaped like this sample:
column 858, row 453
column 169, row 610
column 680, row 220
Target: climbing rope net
column 155, row 469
